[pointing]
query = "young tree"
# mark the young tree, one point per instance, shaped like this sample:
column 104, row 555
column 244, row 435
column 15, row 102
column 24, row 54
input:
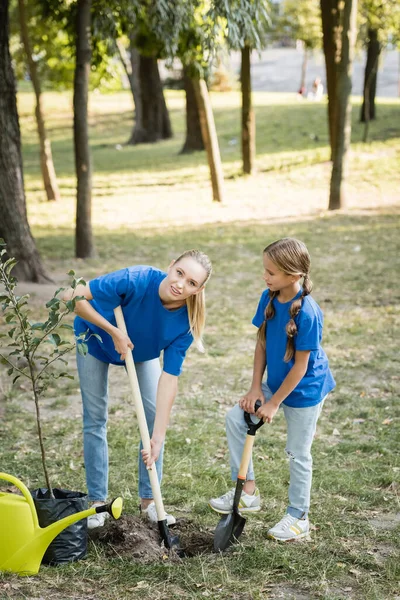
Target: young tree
column 46, row 157
column 339, row 33
column 14, row 227
column 302, row 21
column 245, row 25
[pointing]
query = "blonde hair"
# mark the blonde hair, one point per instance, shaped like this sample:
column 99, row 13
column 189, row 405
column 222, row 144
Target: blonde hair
column 292, row 258
column 196, row 304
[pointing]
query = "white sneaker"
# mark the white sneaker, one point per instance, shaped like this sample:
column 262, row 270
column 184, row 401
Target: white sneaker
column 247, row 503
column 151, row 514
column 98, row 519
column 289, row 528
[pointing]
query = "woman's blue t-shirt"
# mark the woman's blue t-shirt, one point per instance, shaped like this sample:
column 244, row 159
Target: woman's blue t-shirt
column 318, row 380
column 151, row 327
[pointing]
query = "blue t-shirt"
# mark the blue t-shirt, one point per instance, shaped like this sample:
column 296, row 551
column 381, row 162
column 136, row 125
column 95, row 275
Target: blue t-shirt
column 318, row 380
column 151, row 327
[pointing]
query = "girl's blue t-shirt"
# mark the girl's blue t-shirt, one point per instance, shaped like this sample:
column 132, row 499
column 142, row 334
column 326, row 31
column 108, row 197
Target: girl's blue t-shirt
column 318, row 380
column 151, row 327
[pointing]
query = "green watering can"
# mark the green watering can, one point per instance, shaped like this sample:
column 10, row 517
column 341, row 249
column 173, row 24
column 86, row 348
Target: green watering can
column 22, row 541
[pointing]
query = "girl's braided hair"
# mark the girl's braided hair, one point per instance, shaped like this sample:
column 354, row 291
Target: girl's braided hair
column 290, row 256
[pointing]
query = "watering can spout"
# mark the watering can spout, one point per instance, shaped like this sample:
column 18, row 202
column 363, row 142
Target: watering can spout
column 25, row 542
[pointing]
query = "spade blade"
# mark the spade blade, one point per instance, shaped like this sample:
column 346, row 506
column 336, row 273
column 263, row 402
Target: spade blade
column 228, row 531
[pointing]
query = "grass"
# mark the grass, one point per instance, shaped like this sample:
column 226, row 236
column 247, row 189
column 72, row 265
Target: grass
column 354, row 548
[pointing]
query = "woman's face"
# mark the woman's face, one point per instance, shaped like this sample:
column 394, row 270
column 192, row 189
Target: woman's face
column 185, row 278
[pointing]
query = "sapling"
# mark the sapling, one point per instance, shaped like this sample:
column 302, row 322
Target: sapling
column 33, row 349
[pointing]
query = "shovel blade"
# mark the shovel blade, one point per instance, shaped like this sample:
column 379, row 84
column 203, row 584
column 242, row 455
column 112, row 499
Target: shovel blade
column 228, row 531
column 170, row 541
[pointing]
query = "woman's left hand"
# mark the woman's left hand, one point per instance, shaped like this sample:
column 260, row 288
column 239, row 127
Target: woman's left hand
column 150, row 457
column 267, row 411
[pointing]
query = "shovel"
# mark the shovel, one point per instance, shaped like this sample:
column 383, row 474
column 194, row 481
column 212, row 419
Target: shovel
column 231, row 526
column 169, row 540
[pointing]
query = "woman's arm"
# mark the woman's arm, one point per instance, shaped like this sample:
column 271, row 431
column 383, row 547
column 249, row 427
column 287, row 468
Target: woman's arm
column 255, row 393
column 292, row 379
column 166, row 394
column 88, row 313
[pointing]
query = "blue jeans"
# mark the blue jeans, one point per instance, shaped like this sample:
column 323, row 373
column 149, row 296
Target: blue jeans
column 301, row 426
column 93, row 379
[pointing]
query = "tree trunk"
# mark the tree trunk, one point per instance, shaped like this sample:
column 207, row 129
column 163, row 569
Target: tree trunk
column 344, row 65
column 84, row 246
column 370, row 77
column 304, row 69
column 330, row 27
column 14, row 227
column 152, row 119
column 248, row 118
column 46, row 157
column 194, row 139
column 210, row 138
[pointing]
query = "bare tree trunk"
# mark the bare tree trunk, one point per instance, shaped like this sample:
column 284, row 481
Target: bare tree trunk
column 210, row 138
column 137, row 132
column 194, row 139
column 370, row 77
column 344, row 65
column 304, row 69
column 152, row 119
column 330, row 27
column 46, row 158
column 14, row 227
column 248, row 118
column 84, row 245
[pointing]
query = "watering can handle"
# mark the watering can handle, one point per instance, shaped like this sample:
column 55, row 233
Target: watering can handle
column 25, row 492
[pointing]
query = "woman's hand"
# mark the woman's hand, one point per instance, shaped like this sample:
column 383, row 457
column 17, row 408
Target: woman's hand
column 248, row 401
column 268, row 410
column 121, row 343
column 150, row 457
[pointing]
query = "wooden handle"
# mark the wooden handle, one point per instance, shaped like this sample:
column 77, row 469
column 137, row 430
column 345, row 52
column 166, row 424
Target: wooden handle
column 246, row 456
column 141, row 417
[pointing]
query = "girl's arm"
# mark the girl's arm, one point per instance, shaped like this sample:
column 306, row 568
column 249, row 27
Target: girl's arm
column 292, row 379
column 166, row 394
column 88, row 313
column 248, row 401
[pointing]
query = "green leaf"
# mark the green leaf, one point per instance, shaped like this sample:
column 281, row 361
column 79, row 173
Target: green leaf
column 40, row 326
column 82, row 348
column 55, row 339
column 71, row 273
column 10, row 371
column 66, row 326
column 15, row 378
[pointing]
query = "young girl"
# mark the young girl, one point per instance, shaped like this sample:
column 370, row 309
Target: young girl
column 163, row 311
column 289, row 344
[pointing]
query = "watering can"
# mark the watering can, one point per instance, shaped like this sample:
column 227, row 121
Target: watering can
column 22, row 541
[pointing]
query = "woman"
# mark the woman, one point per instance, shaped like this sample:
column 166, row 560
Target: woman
column 163, row 312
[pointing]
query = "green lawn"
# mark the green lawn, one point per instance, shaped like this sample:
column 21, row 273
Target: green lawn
column 139, row 194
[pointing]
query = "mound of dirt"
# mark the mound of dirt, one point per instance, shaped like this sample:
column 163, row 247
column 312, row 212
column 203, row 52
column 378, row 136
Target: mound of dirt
column 133, row 537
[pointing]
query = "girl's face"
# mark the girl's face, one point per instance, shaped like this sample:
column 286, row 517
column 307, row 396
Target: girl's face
column 275, row 279
column 185, row 278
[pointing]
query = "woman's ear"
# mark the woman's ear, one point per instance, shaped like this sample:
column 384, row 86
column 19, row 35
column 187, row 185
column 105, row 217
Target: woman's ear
column 295, row 278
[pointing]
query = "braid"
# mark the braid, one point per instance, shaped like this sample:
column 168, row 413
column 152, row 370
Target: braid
column 269, row 314
column 291, row 327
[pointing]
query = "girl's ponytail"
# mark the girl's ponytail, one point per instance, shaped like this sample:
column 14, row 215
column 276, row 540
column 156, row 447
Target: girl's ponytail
column 269, row 314
column 291, row 327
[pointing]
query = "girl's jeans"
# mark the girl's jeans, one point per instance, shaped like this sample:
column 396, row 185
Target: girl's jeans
column 301, row 426
column 93, row 378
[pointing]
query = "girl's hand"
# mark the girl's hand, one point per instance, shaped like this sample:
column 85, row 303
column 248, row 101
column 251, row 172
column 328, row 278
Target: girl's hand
column 121, row 343
column 248, row 401
column 267, row 411
column 150, row 457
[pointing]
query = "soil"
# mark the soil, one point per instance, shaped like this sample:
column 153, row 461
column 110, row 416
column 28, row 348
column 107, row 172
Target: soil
column 135, row 538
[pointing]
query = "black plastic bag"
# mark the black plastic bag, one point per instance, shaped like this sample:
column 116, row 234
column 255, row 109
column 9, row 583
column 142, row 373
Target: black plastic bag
column 71, row 543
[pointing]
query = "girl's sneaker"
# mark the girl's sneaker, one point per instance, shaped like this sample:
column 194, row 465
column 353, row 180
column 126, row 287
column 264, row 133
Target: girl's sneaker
column 247, row 503
column 151, row 514
column 289, row 528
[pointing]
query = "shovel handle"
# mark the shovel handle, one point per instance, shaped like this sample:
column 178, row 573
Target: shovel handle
column 141, row 417
column 246, row 456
